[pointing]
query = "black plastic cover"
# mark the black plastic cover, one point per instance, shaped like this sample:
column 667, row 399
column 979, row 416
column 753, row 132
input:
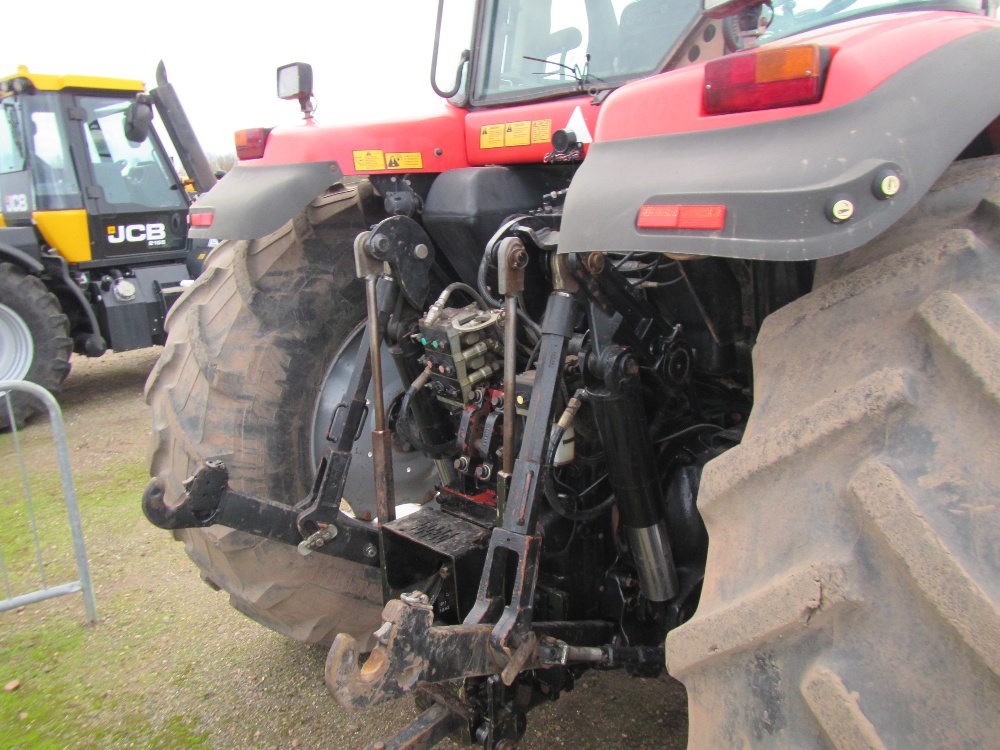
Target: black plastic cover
column 465, row 206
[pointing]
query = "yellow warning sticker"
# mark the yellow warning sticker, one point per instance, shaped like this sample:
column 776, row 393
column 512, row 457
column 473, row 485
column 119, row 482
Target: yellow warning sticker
column 521, row 133
column 541, row 131
column 491, row 136
column 408, row 160
column 517, row 133
column 368, row 160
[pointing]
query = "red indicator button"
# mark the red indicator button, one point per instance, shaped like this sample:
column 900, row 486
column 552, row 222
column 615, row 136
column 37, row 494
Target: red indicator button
column 681, row 217
column 203, row 219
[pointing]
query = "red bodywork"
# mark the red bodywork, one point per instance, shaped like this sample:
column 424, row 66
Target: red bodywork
column 451, row 140
column 864, row 53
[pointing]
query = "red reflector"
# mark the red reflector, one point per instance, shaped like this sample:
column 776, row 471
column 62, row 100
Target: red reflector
column 250, row 143
column 681, row 217
column 203, row 219
column 767, row 79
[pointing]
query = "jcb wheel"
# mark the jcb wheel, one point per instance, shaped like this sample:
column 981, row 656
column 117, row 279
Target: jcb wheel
column 34, row 340
column 258, row 355
column 851, row 597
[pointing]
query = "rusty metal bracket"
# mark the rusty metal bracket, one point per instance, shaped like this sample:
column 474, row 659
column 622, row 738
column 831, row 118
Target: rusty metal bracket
column 414, row 654
column 411, row 651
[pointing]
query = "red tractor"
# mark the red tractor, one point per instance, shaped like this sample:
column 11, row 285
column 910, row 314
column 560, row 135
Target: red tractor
column 672, row 341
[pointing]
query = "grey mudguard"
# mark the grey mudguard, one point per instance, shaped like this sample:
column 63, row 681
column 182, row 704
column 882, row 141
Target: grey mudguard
column 251, row 202
column 778, row 179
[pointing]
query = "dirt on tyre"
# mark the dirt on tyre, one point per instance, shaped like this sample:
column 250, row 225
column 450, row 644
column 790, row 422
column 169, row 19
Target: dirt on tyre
column 249, row 348
column 852, row 592
column 34, row 340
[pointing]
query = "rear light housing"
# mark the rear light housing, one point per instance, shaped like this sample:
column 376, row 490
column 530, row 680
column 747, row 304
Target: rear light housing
column 250, row 143
column 766, row 79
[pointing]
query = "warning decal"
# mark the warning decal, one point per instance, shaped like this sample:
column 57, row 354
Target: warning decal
column 409, row 160
column 521, row 133
column 517, row 133
column 541, row 131
column 491, row 136
column 369, row 160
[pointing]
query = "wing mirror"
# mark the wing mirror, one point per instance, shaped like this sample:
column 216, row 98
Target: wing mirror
column 139, row 118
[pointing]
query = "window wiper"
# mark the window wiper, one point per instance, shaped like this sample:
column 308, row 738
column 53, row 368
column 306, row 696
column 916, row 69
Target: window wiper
column 584, row 79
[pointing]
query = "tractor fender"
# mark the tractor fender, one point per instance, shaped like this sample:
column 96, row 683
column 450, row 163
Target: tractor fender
column 19, row 245
column 780, row 182
column 71, row 296
column 253, row 201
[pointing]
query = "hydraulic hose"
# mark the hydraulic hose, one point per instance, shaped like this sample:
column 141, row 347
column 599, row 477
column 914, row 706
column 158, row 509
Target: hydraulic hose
column 555, row 438
column 409, row 430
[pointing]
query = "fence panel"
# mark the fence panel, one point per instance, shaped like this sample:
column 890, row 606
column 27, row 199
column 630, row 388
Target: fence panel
column 44, row 590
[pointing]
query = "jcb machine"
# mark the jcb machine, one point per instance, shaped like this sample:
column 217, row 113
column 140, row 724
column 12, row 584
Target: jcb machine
column 672, row 341
column 93, row 235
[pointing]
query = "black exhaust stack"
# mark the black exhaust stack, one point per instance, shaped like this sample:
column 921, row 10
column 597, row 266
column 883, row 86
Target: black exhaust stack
column 181, row 133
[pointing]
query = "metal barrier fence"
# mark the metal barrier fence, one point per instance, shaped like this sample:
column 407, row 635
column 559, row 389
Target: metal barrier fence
column 83, row 583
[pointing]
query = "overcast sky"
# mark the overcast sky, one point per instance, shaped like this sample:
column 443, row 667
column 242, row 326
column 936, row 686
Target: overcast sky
column 371, row 59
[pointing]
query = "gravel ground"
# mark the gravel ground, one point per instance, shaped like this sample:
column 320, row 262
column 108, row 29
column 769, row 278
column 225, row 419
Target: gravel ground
column 170, row 653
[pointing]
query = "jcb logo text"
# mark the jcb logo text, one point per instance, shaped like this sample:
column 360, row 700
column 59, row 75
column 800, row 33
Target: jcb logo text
column 153, row 234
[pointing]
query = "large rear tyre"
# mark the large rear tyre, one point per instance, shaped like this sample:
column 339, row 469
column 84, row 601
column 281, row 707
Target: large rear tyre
column 258, row 354
column 34, row 340
column 852, row 592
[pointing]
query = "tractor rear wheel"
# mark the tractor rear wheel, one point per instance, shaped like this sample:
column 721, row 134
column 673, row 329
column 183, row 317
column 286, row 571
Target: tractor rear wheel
column 34, row 340
column 851, row 597
column 258, row 355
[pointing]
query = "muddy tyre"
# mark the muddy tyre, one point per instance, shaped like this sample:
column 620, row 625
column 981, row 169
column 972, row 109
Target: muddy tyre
column 852, row 593
column 250, row 351
column 34, row 340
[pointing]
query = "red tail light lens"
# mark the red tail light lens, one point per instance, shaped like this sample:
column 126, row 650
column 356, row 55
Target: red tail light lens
column 202, row 219
column 250, row 143
column 767, row 79
column 654, row 216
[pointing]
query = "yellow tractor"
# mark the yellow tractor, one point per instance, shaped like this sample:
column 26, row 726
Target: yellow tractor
column 93, row 230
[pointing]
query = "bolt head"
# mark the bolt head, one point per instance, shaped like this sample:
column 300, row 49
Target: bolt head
column 842, row 210
column 421, row 251
column 124, row 290
column 370, row 551
column 890, row 185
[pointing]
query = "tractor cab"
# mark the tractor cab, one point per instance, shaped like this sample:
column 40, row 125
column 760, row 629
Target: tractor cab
column 93, row 209
column 79, row 160
column 526, row 51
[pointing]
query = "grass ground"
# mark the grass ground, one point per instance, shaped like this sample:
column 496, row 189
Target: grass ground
column 170, row 665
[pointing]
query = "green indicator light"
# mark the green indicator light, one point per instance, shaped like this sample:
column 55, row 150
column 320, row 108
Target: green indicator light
column 434, row 344
column 423, row 341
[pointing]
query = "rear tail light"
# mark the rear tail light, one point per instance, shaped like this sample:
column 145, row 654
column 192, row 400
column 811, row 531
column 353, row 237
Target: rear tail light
column 766, row 79
column 654, row 216
column 201, row 218
column 250, row 143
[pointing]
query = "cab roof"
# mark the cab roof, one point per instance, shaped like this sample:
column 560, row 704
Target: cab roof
column 43, row 82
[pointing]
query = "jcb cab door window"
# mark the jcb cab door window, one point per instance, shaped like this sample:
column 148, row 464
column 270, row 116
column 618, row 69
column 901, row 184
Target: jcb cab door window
column 132, row 176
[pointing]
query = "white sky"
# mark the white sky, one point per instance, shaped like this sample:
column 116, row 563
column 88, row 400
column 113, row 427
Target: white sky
column 371, row 59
